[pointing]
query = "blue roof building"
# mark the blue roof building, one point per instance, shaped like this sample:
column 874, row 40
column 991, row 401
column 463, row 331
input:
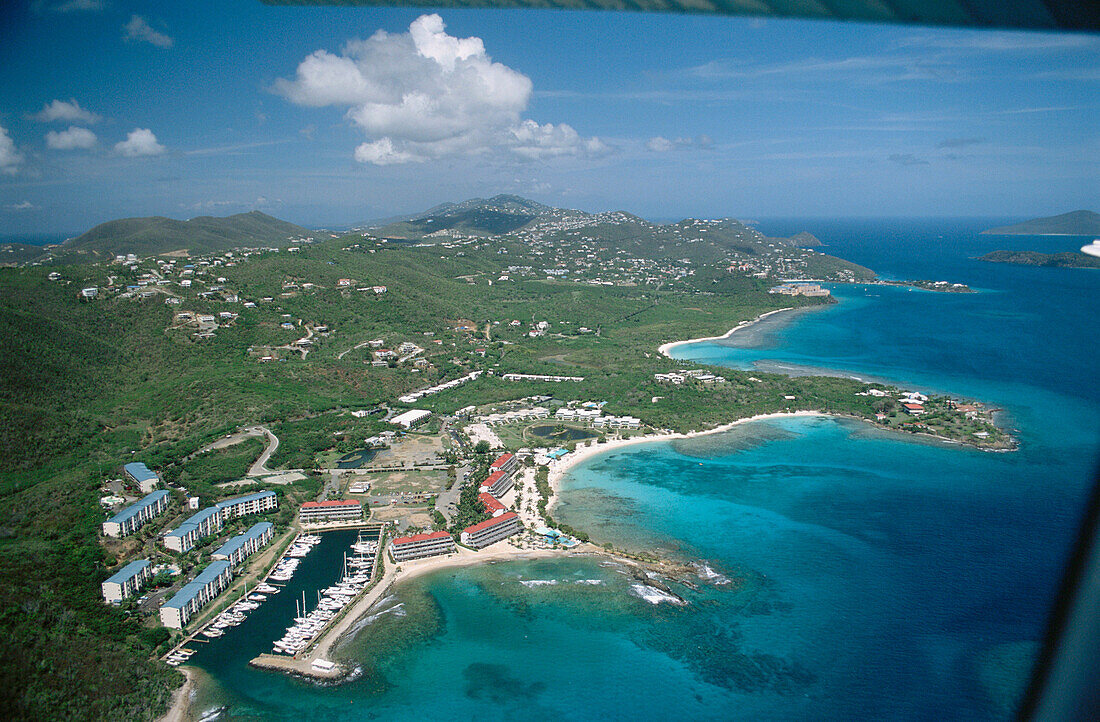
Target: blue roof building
column 140, row 474
column 200, row 524
column 256, row 503
column 126, row 581
column 131, row 518
column 245, row 545
column 195, row 595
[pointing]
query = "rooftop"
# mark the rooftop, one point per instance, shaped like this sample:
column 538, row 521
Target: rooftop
column 331, row 503
column 140, row 471
column 507, row 516
column 128, row 571
column 420, row 537
column 238, row 541
column 138, row 506
column 192, row 588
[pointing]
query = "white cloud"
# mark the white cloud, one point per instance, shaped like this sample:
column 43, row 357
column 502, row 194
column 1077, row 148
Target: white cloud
column 424, row 95
column 659, row 144
column 21, row 206
column 140, row 141
column 70, row 139
column 10, row 158
column 140, row 30
column 67, row 111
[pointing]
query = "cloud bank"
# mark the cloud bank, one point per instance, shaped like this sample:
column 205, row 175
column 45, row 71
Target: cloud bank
column 70, row 139
column 139, row 142
column 424, row 95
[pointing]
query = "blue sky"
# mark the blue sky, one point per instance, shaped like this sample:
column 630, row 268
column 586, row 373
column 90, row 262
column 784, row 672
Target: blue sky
column 111, row 109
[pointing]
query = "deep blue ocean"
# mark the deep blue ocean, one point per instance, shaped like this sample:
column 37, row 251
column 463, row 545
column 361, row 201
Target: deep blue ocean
column 859, row 574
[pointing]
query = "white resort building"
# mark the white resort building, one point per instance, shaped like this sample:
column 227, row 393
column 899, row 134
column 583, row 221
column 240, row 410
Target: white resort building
column 200, row 524
column 498, row 484
column 490, row 531
column 256, row 503
column 131, row 518
column 407, row 548
column 127, row 581
column 317, row 512
column 141, row 475
column 242, row 546
column 195, row 595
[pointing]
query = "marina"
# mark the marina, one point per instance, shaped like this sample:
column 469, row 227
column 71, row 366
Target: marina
column 357, row 576
column 287, row 610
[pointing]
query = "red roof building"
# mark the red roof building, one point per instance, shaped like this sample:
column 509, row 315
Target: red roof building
column 498, row 484
column 490, row 531
column 492, row 506
column 418, row 546
column 505, row 462
column 334, row 510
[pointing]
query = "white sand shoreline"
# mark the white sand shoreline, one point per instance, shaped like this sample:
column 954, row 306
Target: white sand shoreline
column 559, row 468
column 664, row 348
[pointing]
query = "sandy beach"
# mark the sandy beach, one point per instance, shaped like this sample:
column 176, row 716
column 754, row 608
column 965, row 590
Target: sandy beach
column 664, row 348
column 181, row 699
column 559, row 467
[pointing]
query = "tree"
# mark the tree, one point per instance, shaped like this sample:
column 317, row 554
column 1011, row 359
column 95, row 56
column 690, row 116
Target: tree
column 482, row 447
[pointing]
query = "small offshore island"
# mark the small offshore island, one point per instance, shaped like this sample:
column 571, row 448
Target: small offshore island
column 427, row 383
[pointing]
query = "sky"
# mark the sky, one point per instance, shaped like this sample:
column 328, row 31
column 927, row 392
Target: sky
column 332, row 116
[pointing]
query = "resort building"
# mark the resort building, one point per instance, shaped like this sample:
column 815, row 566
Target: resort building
column 492, row 506
column 141, row 475
column 195, row 595
column 127, row 581
column 242, row 546
column 411, row 418
column 498, row 484
column 504, row 462
column 407, row 548
column 317, row 512
column 131, row 518
column 256, row 503
column 490, row 531
column 200, row 524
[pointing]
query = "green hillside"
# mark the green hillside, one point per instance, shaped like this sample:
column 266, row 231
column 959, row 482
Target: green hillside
column 1068, row 259
column 157, row 235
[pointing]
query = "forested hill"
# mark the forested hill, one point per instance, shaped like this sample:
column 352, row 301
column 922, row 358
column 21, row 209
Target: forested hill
column 1074, row 223
column 509, row 218
column 1068, row 259
column 157, row 235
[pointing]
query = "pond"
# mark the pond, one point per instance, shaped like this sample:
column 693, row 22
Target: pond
column 356, row 459
column 562, row 434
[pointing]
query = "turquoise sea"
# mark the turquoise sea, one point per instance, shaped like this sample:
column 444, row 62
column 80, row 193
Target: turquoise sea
column 850, row 573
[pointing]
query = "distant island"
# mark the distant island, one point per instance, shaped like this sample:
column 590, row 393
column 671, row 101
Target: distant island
column 1074, row 223
column 1068, row 259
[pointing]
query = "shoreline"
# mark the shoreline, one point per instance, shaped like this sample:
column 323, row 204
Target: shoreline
column 302, row 665
column 181, row 699
column 664, row 348
column 559, row 468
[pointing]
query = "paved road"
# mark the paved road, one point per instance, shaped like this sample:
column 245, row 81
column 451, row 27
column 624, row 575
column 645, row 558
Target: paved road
column 259, row 468
column 446, row 502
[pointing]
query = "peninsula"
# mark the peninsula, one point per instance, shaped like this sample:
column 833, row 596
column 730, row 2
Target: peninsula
column 1074, row 223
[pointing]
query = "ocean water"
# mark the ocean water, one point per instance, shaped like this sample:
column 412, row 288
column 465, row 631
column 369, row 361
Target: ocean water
column 850, row 572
